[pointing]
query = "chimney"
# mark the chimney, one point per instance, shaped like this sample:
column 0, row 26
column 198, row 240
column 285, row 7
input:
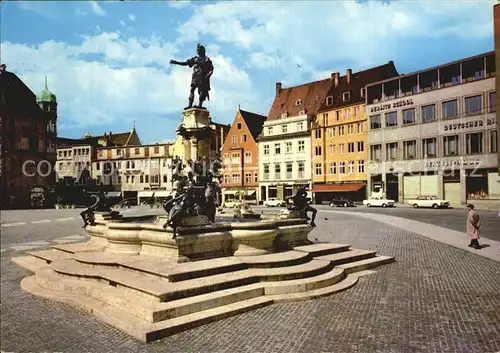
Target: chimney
column 278, row 88
column 348, row 76
column 335, row 78
column 3, row 67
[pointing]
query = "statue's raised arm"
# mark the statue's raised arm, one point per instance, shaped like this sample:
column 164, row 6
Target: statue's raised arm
column 203, row 69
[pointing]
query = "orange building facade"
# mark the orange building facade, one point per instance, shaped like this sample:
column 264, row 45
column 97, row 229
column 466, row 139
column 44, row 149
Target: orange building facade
column 240, row 156
column 339, row 143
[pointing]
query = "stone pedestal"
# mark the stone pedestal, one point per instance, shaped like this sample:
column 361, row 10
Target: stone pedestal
column 195, row 127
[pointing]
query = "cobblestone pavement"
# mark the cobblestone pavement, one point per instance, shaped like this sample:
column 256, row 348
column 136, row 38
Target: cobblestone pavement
column 435, row 298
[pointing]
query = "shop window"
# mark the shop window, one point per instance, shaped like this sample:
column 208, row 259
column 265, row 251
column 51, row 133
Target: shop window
column 450, row 109
column 273, row 192
column 410, row 149
column 429, row 147
column 391, row 119
column 428, row 113
column 476, row 185
column 474, row 143
column 451, row 145
column 473, row 105
column 375, row 122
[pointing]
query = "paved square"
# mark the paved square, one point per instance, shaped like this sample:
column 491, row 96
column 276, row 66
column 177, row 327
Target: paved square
column 435, row 298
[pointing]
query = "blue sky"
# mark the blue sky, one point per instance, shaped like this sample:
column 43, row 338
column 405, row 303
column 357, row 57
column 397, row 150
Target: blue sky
column 108, row 62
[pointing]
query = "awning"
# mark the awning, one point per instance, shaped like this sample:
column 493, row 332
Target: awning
column 162, row 193
column 230, row 192
column 251, row 192
column 337, row 187
column 145, row 193
column 114, row 194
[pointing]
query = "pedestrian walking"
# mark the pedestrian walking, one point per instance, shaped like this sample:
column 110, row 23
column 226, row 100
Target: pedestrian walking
column 473, row 225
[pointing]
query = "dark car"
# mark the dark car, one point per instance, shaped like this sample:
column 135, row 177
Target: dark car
column 341, row 202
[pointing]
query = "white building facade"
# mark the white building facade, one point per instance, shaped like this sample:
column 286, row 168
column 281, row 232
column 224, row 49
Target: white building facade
column 434, row 132
column 135, row 171
column 74, row 161
column 284, row 156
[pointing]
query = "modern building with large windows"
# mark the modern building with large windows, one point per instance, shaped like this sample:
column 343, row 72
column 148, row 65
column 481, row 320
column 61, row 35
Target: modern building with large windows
column 434, row 132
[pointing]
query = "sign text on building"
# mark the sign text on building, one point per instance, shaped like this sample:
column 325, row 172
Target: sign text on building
column 452, row 163
column 399, row 104
column 470, row 124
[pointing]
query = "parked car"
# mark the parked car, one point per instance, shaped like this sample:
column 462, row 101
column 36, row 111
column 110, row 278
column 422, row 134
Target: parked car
column 341, row 202
column 379, row 202
column 429, row 201
column 274, row 202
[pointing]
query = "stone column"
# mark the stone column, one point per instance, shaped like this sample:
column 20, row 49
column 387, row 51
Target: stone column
column 401, row 190
column 368, row 186
column 463, row 189
column 440, row 194
column 194, row 148
column 384, row 184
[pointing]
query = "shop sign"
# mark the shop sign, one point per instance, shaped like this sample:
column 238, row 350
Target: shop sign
column 470, row 124
column 398, row 104
column 453, row 163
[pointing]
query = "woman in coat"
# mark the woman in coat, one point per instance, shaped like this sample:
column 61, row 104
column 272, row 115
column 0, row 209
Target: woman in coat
column 473, row 225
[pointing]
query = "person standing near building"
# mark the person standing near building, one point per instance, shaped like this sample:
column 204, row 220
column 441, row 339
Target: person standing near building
column 473, row 225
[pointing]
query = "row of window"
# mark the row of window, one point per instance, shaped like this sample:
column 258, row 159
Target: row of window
column 131, row 179
column 449, row 109
column 78, row 152
column 236, row 178
column 301, row 147
column 452, row 146
column 132, row 164
column 332, row 149
column 343, row 114
column 288, row 170
column 342, row 167
column 345, row 96
column 68, row 166
column 341, row 130
column 234, row 158
column 299, row 126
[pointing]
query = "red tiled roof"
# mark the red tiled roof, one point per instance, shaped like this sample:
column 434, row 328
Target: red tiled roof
column 311, row 95
column 358, row 80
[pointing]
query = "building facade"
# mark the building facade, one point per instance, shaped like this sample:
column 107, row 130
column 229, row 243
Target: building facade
column 240, row 157
column 285, row 141
column 75, row 156
column 434, row 132
column 135, row 171
column 27, row 141
column 496, row 36
column 339, row 136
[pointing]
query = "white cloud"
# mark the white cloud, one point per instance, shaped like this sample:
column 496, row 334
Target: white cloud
column 98, row 10
column 130, row 80
column 131, row 17
column 179, row 4
column 310, row 34
column 122, row 23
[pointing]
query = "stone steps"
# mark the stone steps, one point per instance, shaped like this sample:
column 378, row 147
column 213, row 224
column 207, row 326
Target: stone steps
column 79, row 247
column 50, row 255
column 320, row 249
column 30, row 263
column 365, row 264
column 347, row 256
column 287, row 258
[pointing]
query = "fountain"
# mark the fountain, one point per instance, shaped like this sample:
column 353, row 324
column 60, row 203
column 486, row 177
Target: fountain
column 153, row 276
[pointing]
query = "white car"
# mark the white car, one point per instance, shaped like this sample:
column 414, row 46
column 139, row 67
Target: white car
column 428, row 201
column 274, row 202
column 379, row 202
